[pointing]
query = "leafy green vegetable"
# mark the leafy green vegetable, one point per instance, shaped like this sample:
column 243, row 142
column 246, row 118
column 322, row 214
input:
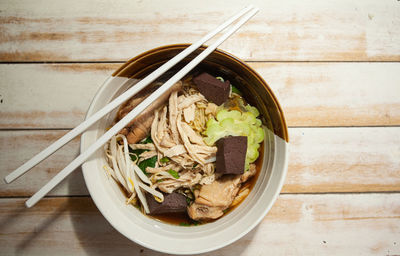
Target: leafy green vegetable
column 235, row 90
column 147, row 140
column 135, row 153
column 134, row 157
column 173, row 173
column 165, row 160
column 237, row 123
column 150, row 162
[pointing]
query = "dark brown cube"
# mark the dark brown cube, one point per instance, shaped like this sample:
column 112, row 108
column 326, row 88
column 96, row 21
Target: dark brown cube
column 173, row 202
column 231, row 154
column 213, row 89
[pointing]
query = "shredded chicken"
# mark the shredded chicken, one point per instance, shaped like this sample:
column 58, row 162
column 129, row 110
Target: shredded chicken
column 190, row 100
column 148, row 146
column 209, row 169
column 174, row 137
column 211, row 109
column 189, row 113
column 190, row 150
column 187, row 179
column 154, row 135
column 148, row 154
column 161, row 169
column 173, row 116
column 175, row 150
column 192, row 135
column 199, row 123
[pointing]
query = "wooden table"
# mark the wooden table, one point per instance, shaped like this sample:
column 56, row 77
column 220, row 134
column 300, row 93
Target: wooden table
column 334, row 66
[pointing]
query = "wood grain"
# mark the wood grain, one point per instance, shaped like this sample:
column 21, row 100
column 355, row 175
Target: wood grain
column 311, row 94
column 286, row 30
column 322, row 160
column 343, row 160
column 332, row 64
column 48, row 96
column 335, row 94
column 353, row 224
column 17, row 147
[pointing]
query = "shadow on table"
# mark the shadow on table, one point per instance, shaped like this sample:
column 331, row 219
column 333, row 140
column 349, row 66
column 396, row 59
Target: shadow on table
column 41, row 227
column 21, row 220
column 98, row 237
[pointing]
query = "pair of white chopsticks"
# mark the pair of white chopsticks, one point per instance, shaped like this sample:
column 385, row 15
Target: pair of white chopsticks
column 248, row 12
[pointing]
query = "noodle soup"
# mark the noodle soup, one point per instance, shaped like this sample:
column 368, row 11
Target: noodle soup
column 191, row 157
column 155, row 231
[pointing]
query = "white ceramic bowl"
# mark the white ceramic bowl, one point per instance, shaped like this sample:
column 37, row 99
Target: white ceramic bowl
column 168, row 238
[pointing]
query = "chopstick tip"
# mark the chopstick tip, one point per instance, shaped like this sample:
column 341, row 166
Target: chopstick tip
column 8, row 180
column 28, row 203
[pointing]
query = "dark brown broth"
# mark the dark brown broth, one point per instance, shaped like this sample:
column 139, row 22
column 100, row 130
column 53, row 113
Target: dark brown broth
column 176, row 218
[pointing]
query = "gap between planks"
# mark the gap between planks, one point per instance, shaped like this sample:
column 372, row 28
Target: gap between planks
column 299, row 224
column 311, row 94
column 339, row 30
column 247, row 61
column 320, row 161
column 289, row 127
column 281, row 193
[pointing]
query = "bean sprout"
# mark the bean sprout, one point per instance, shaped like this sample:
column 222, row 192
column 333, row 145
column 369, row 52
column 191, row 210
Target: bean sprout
column 127, row 173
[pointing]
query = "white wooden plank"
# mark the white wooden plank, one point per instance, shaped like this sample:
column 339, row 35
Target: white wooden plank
column 351, row 224
column 17, row 147
column 311, row 94
column 335, row 94
column 56, row 30
column 343, row 160
column 48, row 96
column 321, row 160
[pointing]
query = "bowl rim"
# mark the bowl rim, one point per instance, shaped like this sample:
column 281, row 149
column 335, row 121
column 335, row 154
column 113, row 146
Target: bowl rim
column 283, row 162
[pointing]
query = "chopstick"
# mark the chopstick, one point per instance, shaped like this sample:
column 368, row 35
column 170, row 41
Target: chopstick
column 119, row 100
column 136, row 111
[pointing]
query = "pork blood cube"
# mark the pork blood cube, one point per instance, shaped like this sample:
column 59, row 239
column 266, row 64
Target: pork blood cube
column 173, row 202
column 213, row 89
column 231, row 154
